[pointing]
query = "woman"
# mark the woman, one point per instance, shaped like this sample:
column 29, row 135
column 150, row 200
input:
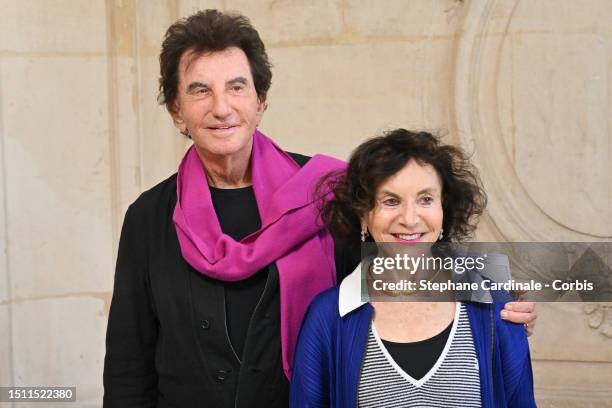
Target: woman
column 408, row 189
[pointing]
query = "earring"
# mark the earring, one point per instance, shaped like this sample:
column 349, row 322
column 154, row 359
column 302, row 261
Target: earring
column 441, row 234
column 364, row 235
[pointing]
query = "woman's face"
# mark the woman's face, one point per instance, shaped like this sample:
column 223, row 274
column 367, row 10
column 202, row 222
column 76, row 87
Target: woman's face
column 408, row 208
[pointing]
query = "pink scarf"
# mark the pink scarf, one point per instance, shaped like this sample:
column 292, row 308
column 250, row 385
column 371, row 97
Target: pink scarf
column 292, row 234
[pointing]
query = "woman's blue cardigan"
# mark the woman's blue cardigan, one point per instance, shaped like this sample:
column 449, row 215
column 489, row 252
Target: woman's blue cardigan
column 331, row 348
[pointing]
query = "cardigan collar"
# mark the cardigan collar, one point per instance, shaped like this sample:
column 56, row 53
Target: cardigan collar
column 350, row 295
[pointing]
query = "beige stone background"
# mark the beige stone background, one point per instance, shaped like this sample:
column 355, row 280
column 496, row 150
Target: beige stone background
column 525, row 85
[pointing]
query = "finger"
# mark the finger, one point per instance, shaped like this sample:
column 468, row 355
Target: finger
column 525, row 307
column 519, row 293
column 518, row 317
column 530, row 327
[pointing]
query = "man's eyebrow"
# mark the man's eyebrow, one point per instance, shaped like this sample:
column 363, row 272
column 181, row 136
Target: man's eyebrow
column 195, row 85
column 237, row 80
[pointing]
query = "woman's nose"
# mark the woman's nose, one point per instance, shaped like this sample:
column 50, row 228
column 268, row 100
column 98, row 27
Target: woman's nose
column 410, row 215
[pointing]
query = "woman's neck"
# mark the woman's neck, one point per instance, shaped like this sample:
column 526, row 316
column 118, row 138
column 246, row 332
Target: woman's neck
column 406, row 322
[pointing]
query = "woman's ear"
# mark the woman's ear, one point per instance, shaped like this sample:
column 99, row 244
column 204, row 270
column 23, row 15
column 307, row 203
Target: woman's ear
column 364, row 231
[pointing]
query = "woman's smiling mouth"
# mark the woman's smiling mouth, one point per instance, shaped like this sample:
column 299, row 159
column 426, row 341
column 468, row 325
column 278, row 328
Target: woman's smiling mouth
column 416, row 237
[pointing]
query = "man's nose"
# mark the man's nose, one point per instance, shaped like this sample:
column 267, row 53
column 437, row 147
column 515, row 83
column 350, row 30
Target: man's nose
column 221, row 107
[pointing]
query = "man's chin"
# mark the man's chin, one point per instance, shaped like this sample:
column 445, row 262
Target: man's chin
column 229, row 148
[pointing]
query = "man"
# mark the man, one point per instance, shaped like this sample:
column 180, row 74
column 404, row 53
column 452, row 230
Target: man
column 218, row 263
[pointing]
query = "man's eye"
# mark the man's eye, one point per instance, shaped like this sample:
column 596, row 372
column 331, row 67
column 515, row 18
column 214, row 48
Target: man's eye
column 237, row 88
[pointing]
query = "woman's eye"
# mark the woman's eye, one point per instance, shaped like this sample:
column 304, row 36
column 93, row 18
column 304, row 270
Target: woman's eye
column 390, row 202
column 427, row 200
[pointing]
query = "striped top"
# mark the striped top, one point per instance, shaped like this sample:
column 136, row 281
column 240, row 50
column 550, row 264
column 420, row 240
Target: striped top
column 453, row 381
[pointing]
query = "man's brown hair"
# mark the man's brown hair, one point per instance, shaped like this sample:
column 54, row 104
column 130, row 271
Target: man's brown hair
column 210, row 31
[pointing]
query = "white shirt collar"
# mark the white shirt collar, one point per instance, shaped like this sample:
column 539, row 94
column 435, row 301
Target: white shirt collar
column 349, row 296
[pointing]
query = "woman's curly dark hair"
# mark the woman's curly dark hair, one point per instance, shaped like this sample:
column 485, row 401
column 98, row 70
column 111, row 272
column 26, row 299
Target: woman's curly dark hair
column 377, row 159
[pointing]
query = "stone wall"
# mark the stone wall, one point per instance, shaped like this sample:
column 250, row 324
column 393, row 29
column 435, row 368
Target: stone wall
column 525, row 86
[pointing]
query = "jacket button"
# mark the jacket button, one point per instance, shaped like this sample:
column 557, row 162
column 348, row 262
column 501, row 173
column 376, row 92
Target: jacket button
column 222, row 374
column 205, row 324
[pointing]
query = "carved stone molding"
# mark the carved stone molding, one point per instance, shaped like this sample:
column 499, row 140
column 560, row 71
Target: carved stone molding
column 599, row 317
column 528, row 202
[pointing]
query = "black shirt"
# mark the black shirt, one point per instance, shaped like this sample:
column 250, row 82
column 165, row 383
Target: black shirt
column 417, row 358
column 167, row 341
column 238, row 216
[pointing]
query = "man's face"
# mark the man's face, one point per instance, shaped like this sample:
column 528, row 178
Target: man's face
column 217, row 103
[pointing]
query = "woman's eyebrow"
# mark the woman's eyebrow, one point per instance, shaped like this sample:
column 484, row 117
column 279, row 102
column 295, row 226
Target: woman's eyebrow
column 429, row 190
column 391, row 193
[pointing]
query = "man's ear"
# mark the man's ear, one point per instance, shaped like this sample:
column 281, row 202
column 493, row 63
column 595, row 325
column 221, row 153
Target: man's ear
column 262, row 105
column 177, row 117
